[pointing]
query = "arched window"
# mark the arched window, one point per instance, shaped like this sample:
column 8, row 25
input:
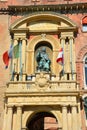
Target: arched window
column 84, row 24
column 85, row 71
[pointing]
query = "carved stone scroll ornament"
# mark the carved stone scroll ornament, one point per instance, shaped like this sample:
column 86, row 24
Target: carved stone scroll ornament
column 42, row 81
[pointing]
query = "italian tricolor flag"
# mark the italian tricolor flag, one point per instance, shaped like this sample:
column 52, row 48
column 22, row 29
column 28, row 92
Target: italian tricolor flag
column 60, row 58
column 13, row 52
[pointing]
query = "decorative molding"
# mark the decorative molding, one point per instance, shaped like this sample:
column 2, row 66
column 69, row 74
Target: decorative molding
column 41, row 81
column 81, row 54
column 67, row 8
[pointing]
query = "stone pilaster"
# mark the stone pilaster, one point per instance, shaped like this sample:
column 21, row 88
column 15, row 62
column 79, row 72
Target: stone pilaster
column 15, row 63
column 20, row 59
column 74, row 118
column 16, row 60
column 5, row 118
column 19, row 117
column 62, row 40
column 64, row 117
column 24, row 59
column 9, row 118
column 71, row 58
column 69, row 118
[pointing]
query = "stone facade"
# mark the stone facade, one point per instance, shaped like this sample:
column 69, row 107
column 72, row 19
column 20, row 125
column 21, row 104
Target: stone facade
column 40, row 100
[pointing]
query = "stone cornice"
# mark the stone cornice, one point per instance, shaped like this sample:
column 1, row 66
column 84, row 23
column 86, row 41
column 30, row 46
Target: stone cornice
column 26, row 30
column 41, row 93
column 59, row 8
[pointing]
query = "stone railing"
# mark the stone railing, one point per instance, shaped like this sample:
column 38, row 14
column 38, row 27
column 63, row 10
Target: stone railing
column 53, row 77
column 42, row 82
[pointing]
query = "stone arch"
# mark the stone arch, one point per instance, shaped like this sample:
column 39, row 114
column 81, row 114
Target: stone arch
column 83, row 18
column 48, row 38
column 82, row 53
column 43, row 15
column 54, row 114
column 38, row 121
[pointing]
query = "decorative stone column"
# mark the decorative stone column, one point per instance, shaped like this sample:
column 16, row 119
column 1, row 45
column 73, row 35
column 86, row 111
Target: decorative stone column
column 20, row 59
column 15, row 60
column 72, row 56
column 63, row 46
column 11, row 63
column 5, row 118
column 19, row 117
column 64, row 117
column 62, row 41
column 14, row 63
column 74, row 118
column 9, row 118
column 69, row 118
column 24, row 59
column 67, row 58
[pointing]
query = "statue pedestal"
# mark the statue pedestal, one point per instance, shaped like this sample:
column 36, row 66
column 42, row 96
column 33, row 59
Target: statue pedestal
column 47, row 74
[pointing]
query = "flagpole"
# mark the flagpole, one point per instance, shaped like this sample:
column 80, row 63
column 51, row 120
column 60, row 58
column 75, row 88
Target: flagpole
column 62, row 41
column 11, row 66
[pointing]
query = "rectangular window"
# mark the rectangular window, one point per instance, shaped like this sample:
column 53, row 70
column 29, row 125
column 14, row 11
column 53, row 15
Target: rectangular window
column 84, row 28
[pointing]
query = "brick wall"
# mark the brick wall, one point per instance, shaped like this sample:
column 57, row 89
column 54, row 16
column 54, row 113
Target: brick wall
column 4, row 73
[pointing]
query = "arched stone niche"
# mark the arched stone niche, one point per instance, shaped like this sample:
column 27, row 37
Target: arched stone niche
column 52, row 46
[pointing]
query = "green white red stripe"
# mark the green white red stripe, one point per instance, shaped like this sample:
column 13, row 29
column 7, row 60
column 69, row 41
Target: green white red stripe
column 60, row 58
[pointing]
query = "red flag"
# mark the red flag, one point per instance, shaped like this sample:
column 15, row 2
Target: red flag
column 6, row 59
column 60, row 58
